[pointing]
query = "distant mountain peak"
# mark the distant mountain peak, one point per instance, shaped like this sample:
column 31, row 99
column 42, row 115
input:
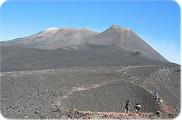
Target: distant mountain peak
column 114, row 37
column 117, row 27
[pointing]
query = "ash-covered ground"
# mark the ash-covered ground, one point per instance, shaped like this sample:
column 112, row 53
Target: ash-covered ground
column 49, row 93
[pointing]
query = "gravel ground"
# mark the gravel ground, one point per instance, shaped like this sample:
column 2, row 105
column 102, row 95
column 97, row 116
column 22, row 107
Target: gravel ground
column 49, row 93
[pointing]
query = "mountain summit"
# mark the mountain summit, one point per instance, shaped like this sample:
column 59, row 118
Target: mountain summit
column 82, row 74
column 114, row 38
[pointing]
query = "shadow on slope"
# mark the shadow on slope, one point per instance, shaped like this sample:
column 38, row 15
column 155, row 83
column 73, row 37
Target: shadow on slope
column 111, row 97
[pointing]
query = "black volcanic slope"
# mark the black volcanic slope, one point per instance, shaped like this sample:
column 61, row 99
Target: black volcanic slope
column 111, row 97
column 114, row 37
column 37, row 94
column 17, row 58
column 67, row 47
column 62, row 69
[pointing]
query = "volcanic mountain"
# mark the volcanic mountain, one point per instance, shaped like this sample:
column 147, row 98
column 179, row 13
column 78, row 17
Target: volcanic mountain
column 68, row 38
column 70, row 47
column 48, row 74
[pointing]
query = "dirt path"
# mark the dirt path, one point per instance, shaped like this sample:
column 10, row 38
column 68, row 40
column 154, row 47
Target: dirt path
column 84, row 88
column 81, row 88
column 130, row 67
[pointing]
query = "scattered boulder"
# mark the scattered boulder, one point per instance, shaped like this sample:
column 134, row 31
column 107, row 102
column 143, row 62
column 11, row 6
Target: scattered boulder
column 137, row 53
column 158, row 112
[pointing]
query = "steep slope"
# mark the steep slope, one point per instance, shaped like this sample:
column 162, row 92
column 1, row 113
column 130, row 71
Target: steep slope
column 111, row 97
column 166, row 81
column 124, row 39
column 114, row 39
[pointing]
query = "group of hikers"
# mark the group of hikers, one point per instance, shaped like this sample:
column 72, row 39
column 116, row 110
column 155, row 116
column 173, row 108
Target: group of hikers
column 138, row 106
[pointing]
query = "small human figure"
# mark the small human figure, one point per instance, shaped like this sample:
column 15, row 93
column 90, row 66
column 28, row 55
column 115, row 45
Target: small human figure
column 138, row 107
column 156, row 96
column 160, row 100
column 127, row 106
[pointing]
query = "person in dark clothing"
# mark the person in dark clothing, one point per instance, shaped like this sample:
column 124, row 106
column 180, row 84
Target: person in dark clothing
column 127, row 106
column 156, row 96
column 138, row 107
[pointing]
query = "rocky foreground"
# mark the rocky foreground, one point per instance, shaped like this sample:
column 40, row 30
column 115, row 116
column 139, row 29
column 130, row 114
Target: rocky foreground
column 75, row 114
column 55, row 93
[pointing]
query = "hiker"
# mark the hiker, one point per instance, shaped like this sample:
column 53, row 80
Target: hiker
column 160, row 100
column 156, row 96
column 138, row 107
column 127, row 106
